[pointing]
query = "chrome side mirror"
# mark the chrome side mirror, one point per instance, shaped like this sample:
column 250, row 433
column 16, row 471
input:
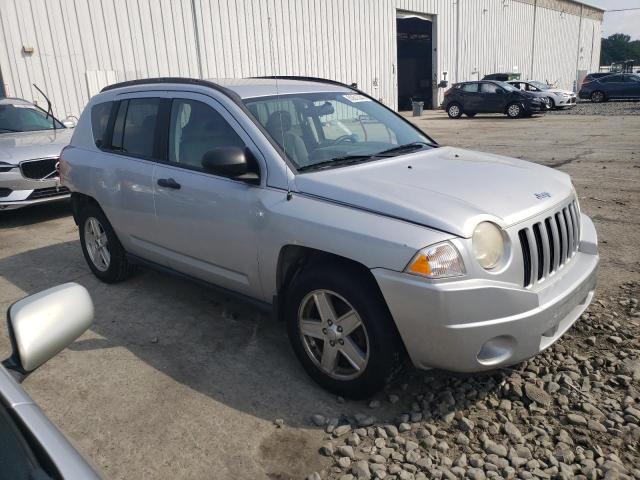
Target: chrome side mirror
column 70, row 122
column 43, row 324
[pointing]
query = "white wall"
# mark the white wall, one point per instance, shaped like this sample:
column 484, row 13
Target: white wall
column 82, row 45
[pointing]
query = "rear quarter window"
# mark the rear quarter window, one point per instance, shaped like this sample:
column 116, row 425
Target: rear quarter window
column 99, row 119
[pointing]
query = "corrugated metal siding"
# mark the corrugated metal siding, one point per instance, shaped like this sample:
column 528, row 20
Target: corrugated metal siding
column 81, row 45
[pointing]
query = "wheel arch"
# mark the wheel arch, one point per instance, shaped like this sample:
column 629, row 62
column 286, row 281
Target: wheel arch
column 78, row 202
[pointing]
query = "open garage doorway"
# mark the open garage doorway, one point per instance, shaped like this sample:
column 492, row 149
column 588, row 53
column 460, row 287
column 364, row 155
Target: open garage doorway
column 414, row 33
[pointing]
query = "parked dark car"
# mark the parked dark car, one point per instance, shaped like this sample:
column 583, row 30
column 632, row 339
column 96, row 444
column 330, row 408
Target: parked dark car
column 502, row 77
column 470, row 98
column 616, row 86
column 594, row 76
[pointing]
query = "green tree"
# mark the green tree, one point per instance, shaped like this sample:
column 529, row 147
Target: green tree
column 619, row 47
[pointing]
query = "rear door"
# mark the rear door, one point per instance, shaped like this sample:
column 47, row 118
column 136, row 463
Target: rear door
column 207, row 225
column 125, row 186
column 470, row 97
column 613, row 86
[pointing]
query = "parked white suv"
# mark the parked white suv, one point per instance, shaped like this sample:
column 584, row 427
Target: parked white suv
column 311, row 198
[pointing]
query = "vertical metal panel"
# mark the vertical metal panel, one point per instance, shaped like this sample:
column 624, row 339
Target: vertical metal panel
column 346, row 40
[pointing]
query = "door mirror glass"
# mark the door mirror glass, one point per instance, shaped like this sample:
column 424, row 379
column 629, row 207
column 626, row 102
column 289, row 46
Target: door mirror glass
column 499, row 91
column 232, row 162
column 43, row 324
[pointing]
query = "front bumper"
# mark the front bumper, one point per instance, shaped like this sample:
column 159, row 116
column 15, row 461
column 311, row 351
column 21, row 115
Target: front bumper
column 566, row 101
column 17, row 191
column 476, row 324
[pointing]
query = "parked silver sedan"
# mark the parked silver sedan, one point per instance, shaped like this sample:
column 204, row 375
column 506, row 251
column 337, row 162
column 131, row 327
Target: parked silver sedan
column 30, row 144
column 40, row 326
column 556, row 97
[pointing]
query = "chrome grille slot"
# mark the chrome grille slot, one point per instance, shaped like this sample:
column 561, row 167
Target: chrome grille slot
column 549, row 243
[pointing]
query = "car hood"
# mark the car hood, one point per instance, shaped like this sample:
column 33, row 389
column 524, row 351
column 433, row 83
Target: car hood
column 446, row 188
column 19, row 146
column 559, row 90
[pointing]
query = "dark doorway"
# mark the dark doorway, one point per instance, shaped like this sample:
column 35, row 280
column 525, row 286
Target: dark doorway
column 415, row 75
column 2, row 92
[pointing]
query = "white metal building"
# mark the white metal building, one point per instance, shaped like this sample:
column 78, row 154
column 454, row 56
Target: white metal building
column 72, row 48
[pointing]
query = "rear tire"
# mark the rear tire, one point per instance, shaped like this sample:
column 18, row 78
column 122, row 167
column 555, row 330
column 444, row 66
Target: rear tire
column 101, row 248
column 454, row 110
column 356, row 332
column 597, row 96
column 514, row 110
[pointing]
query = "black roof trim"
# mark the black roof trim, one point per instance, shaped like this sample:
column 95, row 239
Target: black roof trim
column 311, row 79
column 159, row 80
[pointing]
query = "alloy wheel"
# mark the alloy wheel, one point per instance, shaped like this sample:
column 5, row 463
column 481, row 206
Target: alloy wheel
column 333, row 334
column 454, row 111
column 97, row 244
column 514, row 110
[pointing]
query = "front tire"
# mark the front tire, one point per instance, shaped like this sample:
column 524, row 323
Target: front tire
column 514, row 110
column 454, row 110
column 341, row 330
column 598, row 96
column 552, row 104
column 101, row 248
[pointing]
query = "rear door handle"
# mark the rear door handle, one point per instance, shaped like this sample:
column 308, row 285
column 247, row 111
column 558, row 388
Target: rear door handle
column 168, row 183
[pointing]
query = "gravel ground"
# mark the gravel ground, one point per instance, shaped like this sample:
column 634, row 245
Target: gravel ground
column 570, row 412
column 615, row 107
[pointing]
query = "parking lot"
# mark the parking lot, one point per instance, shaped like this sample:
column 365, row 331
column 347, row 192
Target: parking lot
column 177, row 381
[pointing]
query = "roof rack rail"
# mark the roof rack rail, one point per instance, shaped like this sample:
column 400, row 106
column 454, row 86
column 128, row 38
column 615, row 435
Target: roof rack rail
column 152, row 81
column 353, row 86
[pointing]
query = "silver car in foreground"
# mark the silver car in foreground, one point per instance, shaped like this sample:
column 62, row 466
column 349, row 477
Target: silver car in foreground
column 308, row 197
column 30, row 144
column 40, row 326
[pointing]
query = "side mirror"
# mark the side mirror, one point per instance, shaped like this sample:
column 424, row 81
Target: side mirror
column 233, row 162
column 69, row 122
column 500, row 91
column 43, row 324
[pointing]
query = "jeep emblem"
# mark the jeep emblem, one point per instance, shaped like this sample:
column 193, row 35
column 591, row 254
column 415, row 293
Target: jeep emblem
column 542, row 195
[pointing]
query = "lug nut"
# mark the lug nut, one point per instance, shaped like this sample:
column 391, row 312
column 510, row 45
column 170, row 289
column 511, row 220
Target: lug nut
column 341, row 341
column 332, row 343
column 324, row 330
column 339, row 329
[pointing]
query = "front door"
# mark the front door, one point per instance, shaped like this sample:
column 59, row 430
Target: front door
column 490, row 100
column 207, row 225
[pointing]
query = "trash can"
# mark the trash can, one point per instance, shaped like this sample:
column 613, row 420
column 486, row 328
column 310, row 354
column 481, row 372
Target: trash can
column 417, row 108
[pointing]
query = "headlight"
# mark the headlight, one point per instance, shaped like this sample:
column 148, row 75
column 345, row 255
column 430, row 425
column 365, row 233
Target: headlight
column 488, row 244
column 437, row 261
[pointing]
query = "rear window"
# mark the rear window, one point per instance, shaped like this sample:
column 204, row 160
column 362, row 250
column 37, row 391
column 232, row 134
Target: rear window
column 470, row 87
column 99, row 119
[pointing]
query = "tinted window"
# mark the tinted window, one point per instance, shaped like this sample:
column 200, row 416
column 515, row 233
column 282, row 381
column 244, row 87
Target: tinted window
column 470, row 87
column 196, row 128
column 612, row 78
column 99, row 120
column 139, row 126
column 488, row 88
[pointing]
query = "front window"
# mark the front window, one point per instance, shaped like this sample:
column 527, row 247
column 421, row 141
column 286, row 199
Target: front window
column 25, row 118
column 539, row 85
column 328, row 129
column 507, row 86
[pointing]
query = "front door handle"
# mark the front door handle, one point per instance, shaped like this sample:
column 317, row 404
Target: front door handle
column 168, row 183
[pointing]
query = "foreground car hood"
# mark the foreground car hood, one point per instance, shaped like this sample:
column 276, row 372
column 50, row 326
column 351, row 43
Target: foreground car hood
column 445, row 188
column 19, row 146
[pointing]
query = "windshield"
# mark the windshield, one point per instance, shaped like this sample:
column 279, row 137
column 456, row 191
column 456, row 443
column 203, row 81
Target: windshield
column 540, row 85
column 507, row 86
column 328, row 129
column 25, row 118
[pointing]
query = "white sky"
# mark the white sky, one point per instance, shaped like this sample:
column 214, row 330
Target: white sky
column 620, row 22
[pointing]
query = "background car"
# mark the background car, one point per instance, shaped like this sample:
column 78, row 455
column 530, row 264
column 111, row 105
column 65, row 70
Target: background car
column 556, row 97
column 40, row 326
column 502, row 77
column 470, row 98
column 31, row 140
column 616, row 86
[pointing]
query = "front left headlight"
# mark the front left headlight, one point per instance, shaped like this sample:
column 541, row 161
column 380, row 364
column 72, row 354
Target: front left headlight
column 440, row 260
column 488, row 244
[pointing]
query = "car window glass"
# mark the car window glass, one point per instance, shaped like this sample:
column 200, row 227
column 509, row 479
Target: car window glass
column 488, row 88
column 139, row 126
column 470, row 87
column 196, row 128
column 612, row 78
column 99, row 119
column 17, row 461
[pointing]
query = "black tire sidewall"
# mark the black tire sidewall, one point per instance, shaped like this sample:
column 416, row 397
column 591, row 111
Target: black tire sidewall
column 385, row 352
column 118, row 260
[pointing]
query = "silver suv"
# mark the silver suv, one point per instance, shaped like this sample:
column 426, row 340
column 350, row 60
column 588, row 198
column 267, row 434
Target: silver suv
column 307, row 196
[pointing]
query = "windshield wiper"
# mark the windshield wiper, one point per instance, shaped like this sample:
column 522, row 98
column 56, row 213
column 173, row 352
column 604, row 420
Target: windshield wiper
column 338, row 161
column 404, row 148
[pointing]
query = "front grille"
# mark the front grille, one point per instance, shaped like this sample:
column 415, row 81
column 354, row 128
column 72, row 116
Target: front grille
column 48, row 192
column 548, row 245
column 39, row 169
